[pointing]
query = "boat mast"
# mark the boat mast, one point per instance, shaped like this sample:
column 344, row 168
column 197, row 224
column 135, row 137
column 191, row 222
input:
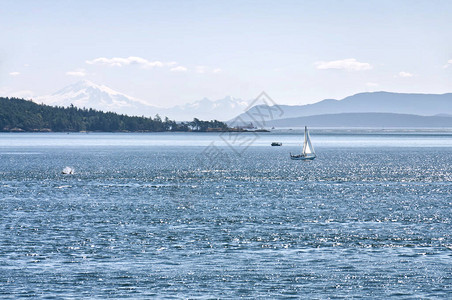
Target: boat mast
column 305, row 140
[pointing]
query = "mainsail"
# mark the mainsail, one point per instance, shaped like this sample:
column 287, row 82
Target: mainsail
column 308, row 149
column 307, row 146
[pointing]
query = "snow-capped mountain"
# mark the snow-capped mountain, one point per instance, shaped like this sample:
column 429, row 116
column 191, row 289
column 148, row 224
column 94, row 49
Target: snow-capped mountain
column 205, row 109
column 89, row 95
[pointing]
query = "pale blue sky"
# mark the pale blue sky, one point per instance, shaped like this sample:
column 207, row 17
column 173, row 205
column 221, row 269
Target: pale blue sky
column 297, row 51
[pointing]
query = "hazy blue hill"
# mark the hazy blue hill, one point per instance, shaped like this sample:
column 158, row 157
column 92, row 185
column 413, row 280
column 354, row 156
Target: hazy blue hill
column 382, row 102
column 364, row 120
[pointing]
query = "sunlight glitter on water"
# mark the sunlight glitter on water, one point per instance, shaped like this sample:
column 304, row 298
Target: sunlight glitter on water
column 144, row 222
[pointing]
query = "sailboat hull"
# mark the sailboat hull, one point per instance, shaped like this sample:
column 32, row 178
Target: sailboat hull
column 301, row 157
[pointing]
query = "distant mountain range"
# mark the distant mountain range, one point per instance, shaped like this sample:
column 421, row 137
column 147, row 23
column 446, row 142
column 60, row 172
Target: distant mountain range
column 361, row 110
column 364, row 120
column 90, row 95
column 222, row 109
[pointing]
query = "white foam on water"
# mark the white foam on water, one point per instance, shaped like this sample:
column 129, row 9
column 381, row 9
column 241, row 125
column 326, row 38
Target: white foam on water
column 67, row 171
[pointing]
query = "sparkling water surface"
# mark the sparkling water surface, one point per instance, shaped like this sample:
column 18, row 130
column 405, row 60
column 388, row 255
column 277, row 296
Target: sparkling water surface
column 188, row 215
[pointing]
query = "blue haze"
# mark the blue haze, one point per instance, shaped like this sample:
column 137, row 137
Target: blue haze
column 376, row 102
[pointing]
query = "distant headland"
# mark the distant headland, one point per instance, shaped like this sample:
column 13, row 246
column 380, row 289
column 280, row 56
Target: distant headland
column 19, row 115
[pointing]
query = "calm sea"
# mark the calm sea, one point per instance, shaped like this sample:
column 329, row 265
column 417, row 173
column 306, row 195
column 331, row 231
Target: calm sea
column 226, row 216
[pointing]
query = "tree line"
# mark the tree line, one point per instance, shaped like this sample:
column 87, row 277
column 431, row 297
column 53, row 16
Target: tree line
column 24, row 115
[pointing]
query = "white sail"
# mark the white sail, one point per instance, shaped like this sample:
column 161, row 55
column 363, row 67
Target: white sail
column 308, row 149
column 307, row 145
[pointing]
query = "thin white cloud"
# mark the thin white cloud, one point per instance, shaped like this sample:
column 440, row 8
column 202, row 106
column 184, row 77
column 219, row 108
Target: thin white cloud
column 349, row 64
column 14, row 73
column 144, row 63
column 206, row 69
column 24, row 94
column 372, row 84
column 77, row 73
column 405, row 74
column 201, row 69
column 126, row 61
column 179, row 69
column 449, row 63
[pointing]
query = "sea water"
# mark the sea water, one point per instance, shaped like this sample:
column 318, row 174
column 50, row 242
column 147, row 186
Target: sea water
column 192, row 215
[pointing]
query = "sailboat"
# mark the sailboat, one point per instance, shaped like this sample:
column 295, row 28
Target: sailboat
column 308, row 150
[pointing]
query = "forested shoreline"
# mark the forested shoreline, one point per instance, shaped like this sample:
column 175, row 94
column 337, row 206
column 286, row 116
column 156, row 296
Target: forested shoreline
column 19, row 115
